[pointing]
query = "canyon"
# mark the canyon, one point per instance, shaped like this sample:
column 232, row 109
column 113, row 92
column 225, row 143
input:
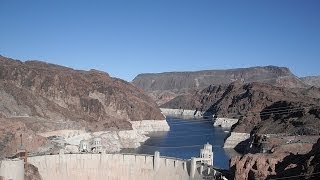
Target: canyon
column 48, row 109
column 277, row 119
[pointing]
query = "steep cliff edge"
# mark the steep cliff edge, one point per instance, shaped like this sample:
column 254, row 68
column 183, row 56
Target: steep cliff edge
column 165, row 86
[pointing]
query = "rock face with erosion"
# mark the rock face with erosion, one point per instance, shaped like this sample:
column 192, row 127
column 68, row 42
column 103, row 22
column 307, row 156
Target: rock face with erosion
column 280, row 164
column 46, row 97
column 165, row 86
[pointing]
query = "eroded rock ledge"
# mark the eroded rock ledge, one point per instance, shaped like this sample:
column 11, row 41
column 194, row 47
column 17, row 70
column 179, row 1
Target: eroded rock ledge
column 235, row 138
column 224, row 122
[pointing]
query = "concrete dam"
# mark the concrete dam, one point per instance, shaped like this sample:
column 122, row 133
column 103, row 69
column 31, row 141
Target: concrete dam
column 107, row 167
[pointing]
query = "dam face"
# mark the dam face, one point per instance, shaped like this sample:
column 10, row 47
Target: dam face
column 12, row 169
column 109, row 167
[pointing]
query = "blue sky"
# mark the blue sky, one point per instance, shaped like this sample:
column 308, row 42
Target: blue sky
column 125, row 38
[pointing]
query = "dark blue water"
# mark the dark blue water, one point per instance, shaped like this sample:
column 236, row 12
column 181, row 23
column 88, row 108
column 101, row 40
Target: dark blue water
column 185, row 139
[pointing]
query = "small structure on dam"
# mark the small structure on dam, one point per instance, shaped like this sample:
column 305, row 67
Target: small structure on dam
column 206, row 154
column 114, row 167
column 205, row 168
column 93, row 145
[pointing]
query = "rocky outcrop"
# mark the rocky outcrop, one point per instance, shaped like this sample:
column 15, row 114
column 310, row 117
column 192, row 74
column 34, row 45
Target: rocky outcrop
column 31, row 172
column 92, row 98
column 280, row 164
column 305, row 166
column 165, row 86
column 46, row 97
column 253, row 166
column 224, row 122
column 235, row 138
column 311, row 80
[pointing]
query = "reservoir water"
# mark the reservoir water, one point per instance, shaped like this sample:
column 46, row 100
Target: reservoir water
column 185, row 139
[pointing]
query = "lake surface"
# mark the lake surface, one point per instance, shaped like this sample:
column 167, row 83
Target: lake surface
column 185, row 139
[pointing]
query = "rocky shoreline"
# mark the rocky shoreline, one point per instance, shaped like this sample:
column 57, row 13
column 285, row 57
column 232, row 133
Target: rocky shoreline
column 150, row 125
column 181, row 112
column 235, row 139
column 224, row 122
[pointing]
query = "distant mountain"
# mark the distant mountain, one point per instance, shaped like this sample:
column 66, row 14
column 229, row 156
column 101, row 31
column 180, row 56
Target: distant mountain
column 165, row 86
column 269, row 108
column 311, row 80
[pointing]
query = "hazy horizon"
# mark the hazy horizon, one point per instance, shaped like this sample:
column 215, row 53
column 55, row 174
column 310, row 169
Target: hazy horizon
column 129, row 80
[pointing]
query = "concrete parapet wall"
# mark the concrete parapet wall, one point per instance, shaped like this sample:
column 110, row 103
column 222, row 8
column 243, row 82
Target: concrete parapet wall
column 235, row 138
column 108, row 166
column 12, row 169
column 224, row 122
